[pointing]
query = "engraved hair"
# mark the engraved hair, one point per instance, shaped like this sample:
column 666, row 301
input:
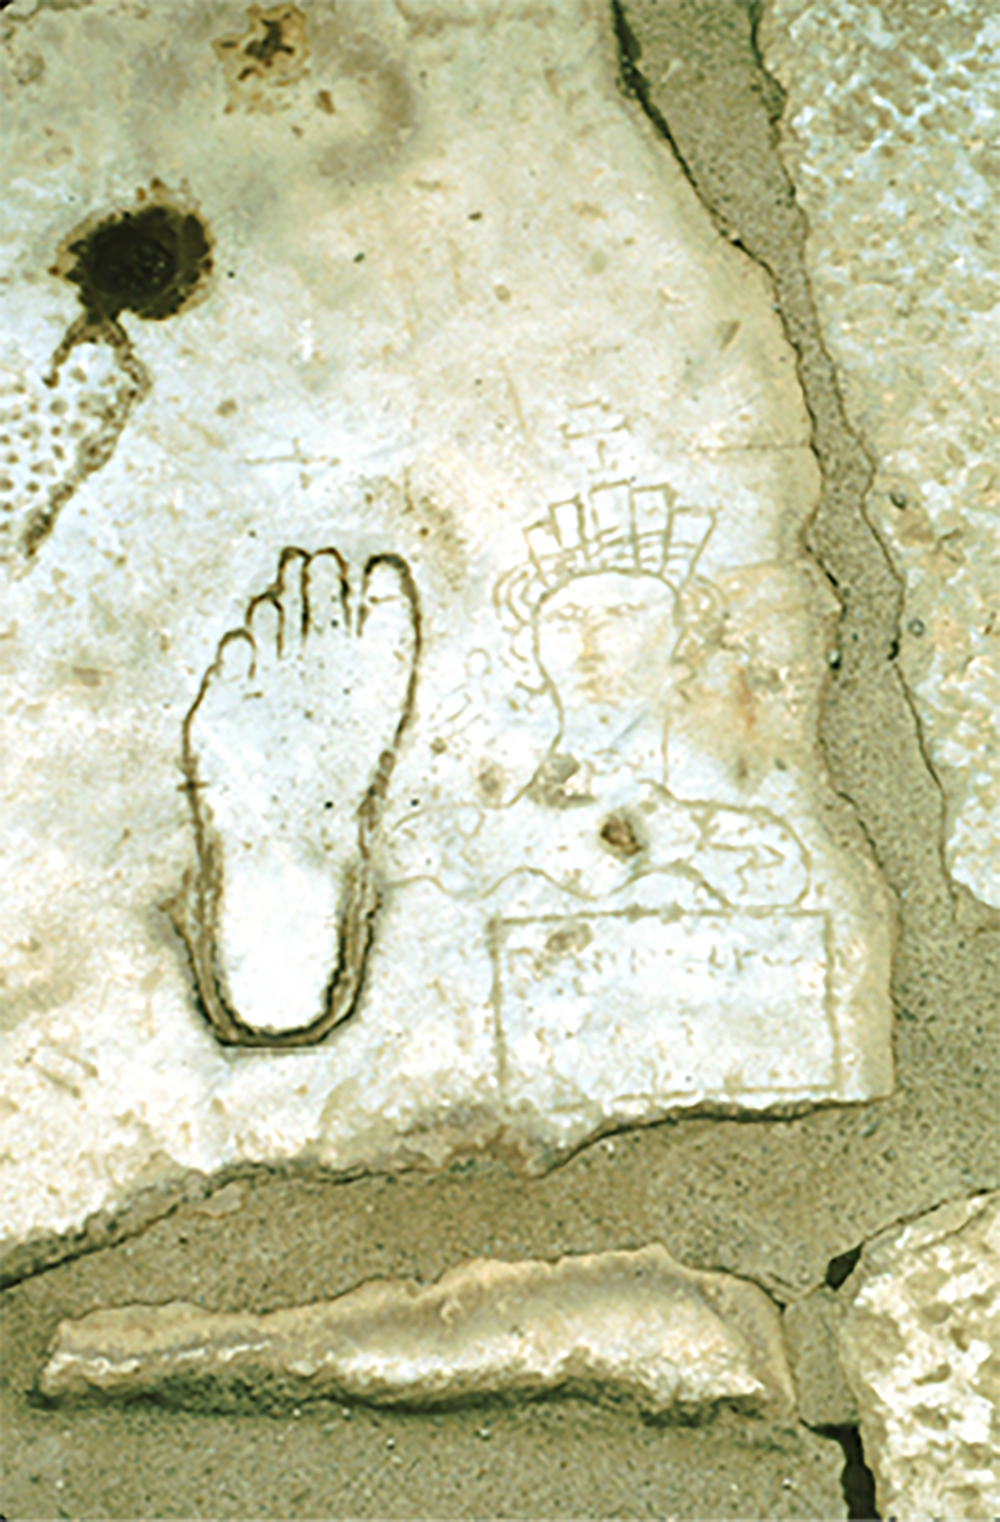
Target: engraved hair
column 635, row 531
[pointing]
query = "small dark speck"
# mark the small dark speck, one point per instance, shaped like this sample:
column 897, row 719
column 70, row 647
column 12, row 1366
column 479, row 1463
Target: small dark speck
column 328, row 804
column 475, row 216
column 230, row 274
column 780, row 764
column 898, row 499
column 414, row 803
column 359, row 258
column 917, row 626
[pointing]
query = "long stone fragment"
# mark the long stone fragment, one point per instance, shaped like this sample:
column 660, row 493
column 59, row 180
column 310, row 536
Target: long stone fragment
column 920, row 1344
column 633, row 1327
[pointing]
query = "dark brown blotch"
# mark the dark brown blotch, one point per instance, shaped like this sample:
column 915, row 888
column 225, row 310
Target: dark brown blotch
column 151, row 261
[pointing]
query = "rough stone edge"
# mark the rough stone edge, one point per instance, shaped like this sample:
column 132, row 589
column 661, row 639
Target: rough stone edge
column 925, row 1229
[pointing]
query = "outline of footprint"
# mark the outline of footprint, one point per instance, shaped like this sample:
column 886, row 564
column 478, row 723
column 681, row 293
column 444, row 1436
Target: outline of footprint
column 282, row 641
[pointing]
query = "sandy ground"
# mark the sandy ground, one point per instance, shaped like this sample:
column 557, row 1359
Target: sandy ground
column 774, row 1201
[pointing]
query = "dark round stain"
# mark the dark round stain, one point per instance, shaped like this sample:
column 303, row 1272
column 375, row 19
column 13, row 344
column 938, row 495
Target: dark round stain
column 147, row 261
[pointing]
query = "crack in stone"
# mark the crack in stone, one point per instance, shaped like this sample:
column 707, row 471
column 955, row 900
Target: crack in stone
column 857, row 1481
column 870, row 592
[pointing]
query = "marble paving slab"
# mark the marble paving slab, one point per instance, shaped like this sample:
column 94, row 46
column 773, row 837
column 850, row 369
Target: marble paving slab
column 410, row 664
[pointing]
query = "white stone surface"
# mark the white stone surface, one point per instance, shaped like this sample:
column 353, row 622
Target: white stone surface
column 427, row 635
column 630, row 1327
column 920, row 1344
column 890, row 134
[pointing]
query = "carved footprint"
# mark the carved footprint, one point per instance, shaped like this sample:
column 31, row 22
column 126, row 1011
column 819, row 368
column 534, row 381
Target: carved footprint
column 288, row 752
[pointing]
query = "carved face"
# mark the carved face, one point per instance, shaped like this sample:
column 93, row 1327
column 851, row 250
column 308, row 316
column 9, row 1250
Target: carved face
column 605, row 642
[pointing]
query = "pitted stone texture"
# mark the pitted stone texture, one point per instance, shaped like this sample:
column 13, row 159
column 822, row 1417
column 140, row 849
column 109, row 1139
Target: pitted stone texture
column 630, row 1326
column 567, row 861
column 920, row 1344
column 889, row 132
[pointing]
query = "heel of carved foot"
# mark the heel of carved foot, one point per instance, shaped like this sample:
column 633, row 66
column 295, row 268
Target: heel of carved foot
column 190, row 911
column 187, row 913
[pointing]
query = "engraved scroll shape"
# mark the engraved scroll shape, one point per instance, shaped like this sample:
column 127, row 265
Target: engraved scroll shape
column 288, row 751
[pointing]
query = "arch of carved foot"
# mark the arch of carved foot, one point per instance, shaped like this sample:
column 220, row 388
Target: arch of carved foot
column 495, row 635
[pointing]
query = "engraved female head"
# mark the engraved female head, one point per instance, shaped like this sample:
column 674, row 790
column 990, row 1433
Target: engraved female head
column 605, row 641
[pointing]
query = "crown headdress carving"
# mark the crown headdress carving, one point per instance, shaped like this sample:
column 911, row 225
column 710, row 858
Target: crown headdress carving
column 615, row 526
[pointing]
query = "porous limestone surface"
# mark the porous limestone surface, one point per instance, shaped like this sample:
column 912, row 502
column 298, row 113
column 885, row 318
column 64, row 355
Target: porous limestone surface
column 890, row 134
column 617, row 1326
column 411, row 668
column 920, row 1344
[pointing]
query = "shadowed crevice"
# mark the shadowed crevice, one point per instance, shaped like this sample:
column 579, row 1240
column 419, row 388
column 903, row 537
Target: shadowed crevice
column 857, row 1481
column 840, row 1268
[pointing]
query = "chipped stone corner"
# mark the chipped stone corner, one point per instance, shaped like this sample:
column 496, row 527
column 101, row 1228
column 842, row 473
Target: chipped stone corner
column 167, row 1187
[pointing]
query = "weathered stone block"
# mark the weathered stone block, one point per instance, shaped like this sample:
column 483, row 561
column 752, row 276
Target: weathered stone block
column 412, row 666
